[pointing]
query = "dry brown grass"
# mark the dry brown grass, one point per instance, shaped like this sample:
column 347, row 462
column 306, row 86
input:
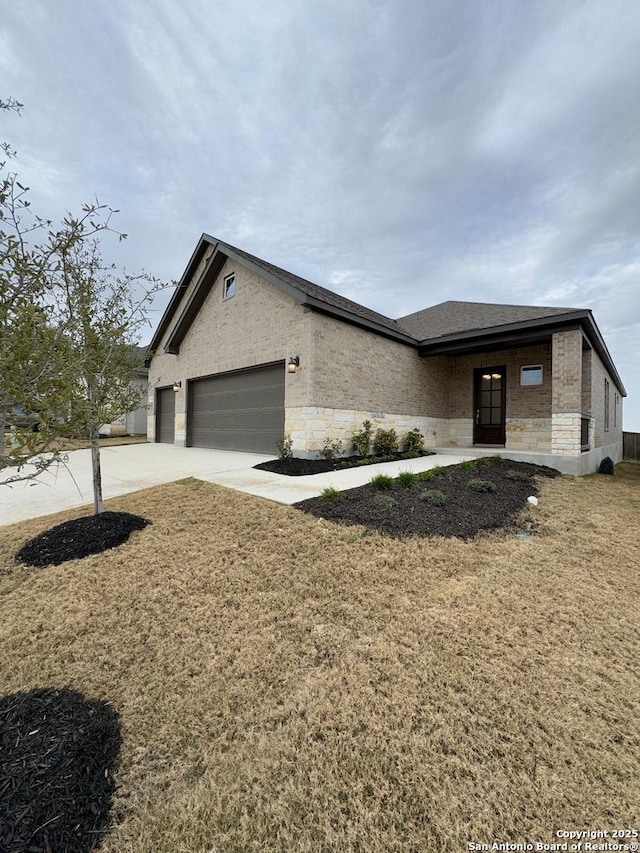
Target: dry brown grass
column 289, row 685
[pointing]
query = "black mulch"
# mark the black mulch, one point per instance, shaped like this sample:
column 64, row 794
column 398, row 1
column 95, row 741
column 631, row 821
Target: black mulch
column 58, row 754
column 301, row 467
column 80, row 538
column 464, row 514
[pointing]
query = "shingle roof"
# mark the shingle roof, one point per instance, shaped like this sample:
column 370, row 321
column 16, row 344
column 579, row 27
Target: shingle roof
column 317, row 292
column 451, row 317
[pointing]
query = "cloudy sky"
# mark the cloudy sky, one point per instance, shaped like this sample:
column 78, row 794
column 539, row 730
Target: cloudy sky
column 400, row 153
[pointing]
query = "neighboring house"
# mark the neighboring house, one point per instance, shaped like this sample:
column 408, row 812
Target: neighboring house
column 133, row 423
column 537, row 382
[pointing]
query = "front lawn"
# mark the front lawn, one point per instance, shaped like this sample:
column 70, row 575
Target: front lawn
column 283, row 683
column 459, row 500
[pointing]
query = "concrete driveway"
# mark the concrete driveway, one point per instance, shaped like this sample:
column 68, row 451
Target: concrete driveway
column 127, row 468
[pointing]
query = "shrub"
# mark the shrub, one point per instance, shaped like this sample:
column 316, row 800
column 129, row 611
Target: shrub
column 484, row 460
column 385, row 442
column 495, row 460
column 520, row 476
column 410, row 454
column 431, row 473
column 433, row 497
column 468, row 466
column 427, row 475
column 361, row 441
column 407, row 479
column 331, row 496
column 367, row 460
column 413, row 442
column 385, row 501
column 382, row 482
column 285, row 448
column 330, row 449
column 481, row 486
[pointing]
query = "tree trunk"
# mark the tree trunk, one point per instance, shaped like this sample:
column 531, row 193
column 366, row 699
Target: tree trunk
column 98, row 505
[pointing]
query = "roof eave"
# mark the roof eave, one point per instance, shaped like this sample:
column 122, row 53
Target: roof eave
column 353, row 319
column 511, row 333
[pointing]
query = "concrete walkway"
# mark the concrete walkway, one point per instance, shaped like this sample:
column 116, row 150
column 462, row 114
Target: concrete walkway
column 128, row 468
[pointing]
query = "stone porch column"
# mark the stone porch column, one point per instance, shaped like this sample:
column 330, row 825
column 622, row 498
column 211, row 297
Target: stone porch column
column 566, row 392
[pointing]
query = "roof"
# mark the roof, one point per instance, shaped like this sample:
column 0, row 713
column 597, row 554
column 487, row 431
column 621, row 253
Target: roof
column 441, row 328
column 452, row 317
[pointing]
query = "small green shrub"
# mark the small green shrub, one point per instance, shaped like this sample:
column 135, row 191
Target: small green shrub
column 407, row 479
column 520, row 476
column 366, row 461
column 361, row 441
column 410, row 454
column 384, row 458
column 469, row 465
column 495, row 460
column 385, row 442
column 330, row 449
column 481, row 486
column 330, row 496
column 285, row 448
column 385, row 501
column 439, row 470
column 427, row 475
column 413, row 442
column 382, row 482
column 434, row 497
column 484, row 460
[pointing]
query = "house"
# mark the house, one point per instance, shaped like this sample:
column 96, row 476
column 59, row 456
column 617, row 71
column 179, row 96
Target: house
column 133, row 423
column 247, row 352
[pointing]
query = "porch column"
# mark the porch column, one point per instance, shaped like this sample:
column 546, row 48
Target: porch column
column 566, row 392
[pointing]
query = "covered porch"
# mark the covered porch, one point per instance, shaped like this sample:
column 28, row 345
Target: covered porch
column 530, row 401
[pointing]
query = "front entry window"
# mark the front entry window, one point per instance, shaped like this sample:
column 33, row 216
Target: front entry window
column 491, row 399
column 490, row 404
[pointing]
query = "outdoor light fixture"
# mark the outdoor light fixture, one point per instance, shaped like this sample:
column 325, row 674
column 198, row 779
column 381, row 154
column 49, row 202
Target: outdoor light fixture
column 177, row 385
column 293, row 364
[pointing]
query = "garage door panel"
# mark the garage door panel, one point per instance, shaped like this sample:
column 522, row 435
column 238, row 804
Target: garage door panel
column 165, row 415
column 238, row 411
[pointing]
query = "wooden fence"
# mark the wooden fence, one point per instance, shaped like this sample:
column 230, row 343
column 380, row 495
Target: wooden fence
column 631, row 446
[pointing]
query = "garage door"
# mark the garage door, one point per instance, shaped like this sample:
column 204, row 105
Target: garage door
column 165, row 415
column 243, row 410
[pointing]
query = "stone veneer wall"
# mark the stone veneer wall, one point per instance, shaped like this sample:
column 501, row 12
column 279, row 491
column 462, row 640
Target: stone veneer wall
column 309, row 426
column 566, row 400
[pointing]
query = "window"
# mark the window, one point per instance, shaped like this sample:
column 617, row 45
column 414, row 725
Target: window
column 606, row 404
column 531, row 374
column 616, row 403
column 229, row 286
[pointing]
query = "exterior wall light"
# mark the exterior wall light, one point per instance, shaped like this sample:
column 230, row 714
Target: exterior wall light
column 177, row 385
column 293, row 364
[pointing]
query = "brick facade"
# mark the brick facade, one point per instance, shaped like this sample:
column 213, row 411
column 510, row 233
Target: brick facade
column 348, row 374
column 258, row 325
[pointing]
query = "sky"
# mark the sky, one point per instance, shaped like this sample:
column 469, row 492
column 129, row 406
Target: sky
column 399, row 153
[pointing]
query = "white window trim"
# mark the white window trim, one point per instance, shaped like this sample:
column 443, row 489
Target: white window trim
column 531, row 367
column 226, row 279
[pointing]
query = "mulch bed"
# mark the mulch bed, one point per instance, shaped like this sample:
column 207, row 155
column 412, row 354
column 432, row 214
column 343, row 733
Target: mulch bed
column 302, row 467
column 81, row 537
column 464, row 514
column 58, row 754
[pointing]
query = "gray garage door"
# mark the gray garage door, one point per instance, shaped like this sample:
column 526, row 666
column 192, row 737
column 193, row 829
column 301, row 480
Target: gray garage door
column 165, row 415
column 243, row 410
